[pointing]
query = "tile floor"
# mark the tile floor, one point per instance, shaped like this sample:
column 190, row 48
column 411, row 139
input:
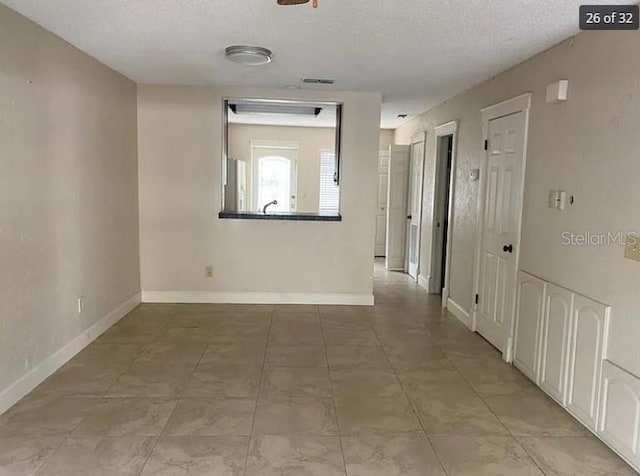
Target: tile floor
column 398, row 389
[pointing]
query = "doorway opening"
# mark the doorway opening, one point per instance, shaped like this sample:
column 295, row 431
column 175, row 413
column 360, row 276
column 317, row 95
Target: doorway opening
column 441, row 216
column 443, row 207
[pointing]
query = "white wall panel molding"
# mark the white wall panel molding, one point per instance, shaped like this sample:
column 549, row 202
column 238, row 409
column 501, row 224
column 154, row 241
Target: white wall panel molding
column 619, row 422
column 588, row 340
column 555, row 342
column 561, row 344
column 530, row 314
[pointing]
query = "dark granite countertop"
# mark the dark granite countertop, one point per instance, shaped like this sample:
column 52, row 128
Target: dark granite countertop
column 288, row 216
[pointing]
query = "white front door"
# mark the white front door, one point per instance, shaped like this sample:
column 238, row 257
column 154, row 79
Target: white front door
column 397, row 206
column 275, row 178
column 414, row 208
column 383, row 192
column 501, row 228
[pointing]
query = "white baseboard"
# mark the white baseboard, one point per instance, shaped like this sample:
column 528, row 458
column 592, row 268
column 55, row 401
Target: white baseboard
column 424, row 282
column 206, row 297
column 461, row 313
column 38, row 374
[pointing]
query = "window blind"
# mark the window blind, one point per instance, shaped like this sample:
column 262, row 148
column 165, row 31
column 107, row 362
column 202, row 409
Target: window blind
column 329, row 191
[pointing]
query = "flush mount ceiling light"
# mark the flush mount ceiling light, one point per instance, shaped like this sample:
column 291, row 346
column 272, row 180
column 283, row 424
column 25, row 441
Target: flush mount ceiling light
column 297, row 2
column 248, row 55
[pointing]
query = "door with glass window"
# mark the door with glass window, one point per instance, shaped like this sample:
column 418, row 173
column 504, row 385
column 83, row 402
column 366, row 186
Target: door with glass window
column 274, row 179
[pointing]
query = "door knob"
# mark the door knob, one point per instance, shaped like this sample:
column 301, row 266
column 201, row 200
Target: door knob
column 409, row 217
column 507, row 249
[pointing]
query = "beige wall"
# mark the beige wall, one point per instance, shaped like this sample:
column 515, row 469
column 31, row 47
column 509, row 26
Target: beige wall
column 386, row 138
column 311, row 141
column 180, row 197
column 68, row 188
column 587, row 146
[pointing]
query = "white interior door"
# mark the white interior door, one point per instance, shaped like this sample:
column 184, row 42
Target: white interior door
column 397, row 206
column 501, row 228
column 383, row 193
column 414, row 208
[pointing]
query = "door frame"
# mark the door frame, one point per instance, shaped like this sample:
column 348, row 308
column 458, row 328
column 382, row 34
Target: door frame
column 521, row 103
column 417, row 138
column 447, row 129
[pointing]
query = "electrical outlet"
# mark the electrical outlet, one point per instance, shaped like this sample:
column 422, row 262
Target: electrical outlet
column 80, row 304
column 208, row 271
column 632, row 248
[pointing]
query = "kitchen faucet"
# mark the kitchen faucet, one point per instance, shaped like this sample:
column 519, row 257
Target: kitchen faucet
column 272, row 202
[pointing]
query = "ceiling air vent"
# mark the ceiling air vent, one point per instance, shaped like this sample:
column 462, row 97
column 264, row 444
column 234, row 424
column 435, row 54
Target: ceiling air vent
column 318, row 81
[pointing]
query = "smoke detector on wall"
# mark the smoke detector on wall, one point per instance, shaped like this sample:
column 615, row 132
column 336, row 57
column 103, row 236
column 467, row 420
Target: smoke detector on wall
column 248, row 55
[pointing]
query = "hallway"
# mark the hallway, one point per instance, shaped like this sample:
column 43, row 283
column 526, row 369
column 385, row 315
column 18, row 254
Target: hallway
column 401, row 388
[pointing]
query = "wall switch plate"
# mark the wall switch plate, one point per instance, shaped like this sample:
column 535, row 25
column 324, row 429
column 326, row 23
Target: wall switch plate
column 632, row 248
column 80, row 304
column 557, row 199
column 561, row 200
column 208, row 271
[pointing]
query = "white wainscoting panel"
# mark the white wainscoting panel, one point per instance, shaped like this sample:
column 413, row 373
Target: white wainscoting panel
column 571, row 340
column 588, row 338
column 619, row 420
column 530, row 314
column 555, row 342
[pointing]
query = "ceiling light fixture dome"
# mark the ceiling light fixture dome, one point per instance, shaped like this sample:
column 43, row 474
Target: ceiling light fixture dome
column 248, row 55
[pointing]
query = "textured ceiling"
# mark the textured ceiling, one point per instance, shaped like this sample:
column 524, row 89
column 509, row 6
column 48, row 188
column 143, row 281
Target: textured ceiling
column 416, row 52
